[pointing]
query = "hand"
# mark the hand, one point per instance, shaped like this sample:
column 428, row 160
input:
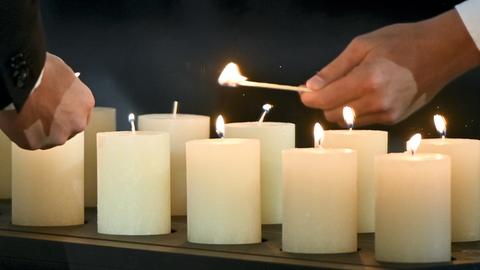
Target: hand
column 55, row 111
column 388, row 74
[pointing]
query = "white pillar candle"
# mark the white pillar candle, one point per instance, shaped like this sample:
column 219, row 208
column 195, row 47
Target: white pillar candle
column 223, row 190
column 47, row 185
column 368, row 144
column 465, row 155
column 102, row 119
column 320, row 200
column 412, row 208
column 274, row 137
column 5, row 167
column 182, row 128
column 133, row 183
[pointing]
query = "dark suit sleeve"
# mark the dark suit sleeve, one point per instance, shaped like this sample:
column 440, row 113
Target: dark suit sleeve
column 22, row 50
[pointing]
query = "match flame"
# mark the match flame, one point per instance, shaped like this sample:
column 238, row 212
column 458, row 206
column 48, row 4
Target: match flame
column 318, row 134
column 414, row 143
column 231, row 75
column 220, row 126
column 349, row 116
column 440, row 124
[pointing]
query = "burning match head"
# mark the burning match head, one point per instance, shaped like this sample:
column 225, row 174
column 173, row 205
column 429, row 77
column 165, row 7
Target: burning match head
column 231, row 76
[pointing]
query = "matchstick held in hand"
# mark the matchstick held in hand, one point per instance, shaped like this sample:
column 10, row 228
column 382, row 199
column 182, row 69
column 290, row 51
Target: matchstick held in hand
column 232, row 77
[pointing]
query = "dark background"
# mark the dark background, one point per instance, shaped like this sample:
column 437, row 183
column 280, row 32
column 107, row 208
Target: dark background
column 140, row 56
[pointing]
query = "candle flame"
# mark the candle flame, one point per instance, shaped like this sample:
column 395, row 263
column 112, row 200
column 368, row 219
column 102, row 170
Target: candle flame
column 231, row 75
column 266, row 108
column 131, row 119
column 318, row 134
column 220, row 126
column 440, row 124
column 77, row 74
column 414, row 143
column 349, row 116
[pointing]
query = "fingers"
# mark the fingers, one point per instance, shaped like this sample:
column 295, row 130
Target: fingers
column 339, row 92
column 340, row 66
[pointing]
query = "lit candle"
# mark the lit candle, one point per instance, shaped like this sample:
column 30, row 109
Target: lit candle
column 274, row 137
column 412, row 206
column 102, row 119
column 47, row 185
column 368, row 144
column 223, row 190
column 182, row 128
column 465, row 155
column 5, row 167
column 320, row 199
column 133, row 182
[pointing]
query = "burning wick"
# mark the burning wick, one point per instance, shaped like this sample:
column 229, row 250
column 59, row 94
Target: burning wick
column 318, row 134
column 220, row 127
column 77, row 74
column 175, row 108
column 232, row 77
column 266, row 108
column 131, row 119
column 349, row 116
column 414, row 143
column 440, row 125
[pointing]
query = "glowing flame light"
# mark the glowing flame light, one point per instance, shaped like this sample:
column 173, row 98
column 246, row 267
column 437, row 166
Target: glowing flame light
column 349, row 116
column 318, row 134
column 231, row 76
column 414, row 143
column 220, row 126
column 440, row 124
column 266, row 108
column 131, row 119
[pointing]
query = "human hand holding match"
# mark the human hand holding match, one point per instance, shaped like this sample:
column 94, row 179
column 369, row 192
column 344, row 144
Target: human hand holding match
column 232, row 77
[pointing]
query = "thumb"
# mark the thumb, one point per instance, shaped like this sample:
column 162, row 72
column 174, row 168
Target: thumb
column 351, row 57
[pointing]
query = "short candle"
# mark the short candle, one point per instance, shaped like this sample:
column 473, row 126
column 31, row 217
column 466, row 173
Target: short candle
column 274, row 137
column 412, row 206
column 465, row 155
column 368, row 144
column 182, row 128
column 5, row 167
column 133, row 182
column 320, row 200
column 223, row 190
column 47, row 185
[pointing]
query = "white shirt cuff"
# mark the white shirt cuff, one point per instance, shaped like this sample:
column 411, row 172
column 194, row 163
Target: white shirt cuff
column 469, row 11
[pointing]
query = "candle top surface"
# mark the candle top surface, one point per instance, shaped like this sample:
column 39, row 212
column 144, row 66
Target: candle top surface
column 320, row 151
column 355, row 131
column 102, row 109
column 417, row 157
column 224, row 141
column 256, row 124
column 449, row 141
column 179, row 116
column 126, row 133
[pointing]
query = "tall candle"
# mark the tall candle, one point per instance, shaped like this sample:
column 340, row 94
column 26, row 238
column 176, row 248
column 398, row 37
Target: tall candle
column 320, row 200
column 133, row 183
column 102, row 119
column 368, row 144
column 413, row 208
column 182, row 128
column 223, row 190
column 465, row 155
column 47, row 185
column 274, row 137
column 5, row 167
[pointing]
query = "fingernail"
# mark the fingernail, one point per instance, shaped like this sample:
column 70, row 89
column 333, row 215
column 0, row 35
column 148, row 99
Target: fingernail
column 315, row 83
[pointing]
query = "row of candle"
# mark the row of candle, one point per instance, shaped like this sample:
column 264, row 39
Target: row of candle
column 129, row 163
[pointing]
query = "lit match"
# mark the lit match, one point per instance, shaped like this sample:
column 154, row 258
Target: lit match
column 232, row 77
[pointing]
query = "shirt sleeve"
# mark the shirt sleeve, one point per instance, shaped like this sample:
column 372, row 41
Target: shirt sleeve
column 469, row 11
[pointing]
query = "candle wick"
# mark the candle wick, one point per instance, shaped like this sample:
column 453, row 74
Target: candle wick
column 175, row 109
column 262, row 117
column 131, row 119
column 132, row 124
